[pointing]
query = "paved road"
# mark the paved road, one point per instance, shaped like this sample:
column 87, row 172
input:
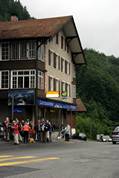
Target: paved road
column 60, row 159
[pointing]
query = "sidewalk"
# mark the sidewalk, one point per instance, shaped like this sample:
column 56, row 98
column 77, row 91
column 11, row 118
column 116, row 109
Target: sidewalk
column 7, row 146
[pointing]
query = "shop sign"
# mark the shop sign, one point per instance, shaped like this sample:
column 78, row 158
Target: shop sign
column 21, row 97
column 52, row 94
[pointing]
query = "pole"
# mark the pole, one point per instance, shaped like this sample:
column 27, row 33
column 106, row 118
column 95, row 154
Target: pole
column 12, row 107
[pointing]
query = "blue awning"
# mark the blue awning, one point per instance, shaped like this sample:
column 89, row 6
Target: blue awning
column 56, row 104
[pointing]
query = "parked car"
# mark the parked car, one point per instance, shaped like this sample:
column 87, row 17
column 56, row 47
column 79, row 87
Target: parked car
column 106, row 138
column 99, row 137
column 80, row 136
column 115, row 135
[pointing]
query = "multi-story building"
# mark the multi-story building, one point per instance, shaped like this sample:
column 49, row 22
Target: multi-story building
column 38, row 56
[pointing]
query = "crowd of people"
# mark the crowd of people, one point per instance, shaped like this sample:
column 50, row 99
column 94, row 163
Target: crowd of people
column 23, row 131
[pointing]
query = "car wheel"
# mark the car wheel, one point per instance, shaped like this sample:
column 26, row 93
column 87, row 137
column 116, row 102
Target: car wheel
column 114, row 142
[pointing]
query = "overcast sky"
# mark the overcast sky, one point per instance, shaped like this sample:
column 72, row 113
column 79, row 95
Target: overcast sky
column 97, row 21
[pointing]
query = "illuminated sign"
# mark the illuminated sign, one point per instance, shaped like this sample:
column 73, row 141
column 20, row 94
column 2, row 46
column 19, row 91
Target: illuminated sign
column 52, row 94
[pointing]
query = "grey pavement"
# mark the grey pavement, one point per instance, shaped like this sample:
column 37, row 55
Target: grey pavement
column 74, row 159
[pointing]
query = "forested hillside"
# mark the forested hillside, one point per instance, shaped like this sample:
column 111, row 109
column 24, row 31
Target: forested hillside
column 98, row 86
column 11, row 7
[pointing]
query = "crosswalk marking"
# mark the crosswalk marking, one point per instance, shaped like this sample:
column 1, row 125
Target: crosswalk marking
column 31, row 159
column 6, row 156
column 18, row 157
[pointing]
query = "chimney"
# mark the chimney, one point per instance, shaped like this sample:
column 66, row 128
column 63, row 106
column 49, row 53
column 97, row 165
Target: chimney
column 14, row 18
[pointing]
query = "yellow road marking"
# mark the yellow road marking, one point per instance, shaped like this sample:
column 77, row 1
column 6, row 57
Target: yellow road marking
column 18, row 157
column 6, row 156
column 28, row 161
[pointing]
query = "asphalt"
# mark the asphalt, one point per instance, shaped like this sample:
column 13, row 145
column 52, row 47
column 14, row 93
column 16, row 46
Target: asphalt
column 57, row 143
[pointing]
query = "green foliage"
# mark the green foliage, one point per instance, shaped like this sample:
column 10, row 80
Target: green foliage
column 11, row 7
column 92, row 126
column 98, row 86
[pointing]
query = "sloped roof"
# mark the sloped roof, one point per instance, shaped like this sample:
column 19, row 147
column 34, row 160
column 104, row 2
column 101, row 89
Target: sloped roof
column 32, row 27
column 39, row 28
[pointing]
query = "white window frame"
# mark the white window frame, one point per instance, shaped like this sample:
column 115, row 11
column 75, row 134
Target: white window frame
column 8, row 51
column 1, row 79
column 30, row 75
column 41, row 52
column 40, row 80
column 19, row 43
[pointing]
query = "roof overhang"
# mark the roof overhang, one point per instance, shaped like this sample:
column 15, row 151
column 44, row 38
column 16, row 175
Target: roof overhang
column 74, row 43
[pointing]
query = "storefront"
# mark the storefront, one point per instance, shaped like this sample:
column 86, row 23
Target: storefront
column 59, row 113
column 23, row 105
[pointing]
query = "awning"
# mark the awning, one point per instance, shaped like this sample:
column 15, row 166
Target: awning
column 56, row 104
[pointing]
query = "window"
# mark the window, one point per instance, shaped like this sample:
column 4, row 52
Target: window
column 54, row 84
column 23, row 50
column 4, row 79
column 5, row 51
column 55, row 60
column 50, row 57
column 69, row 68
column 62, row 42
column 59, row 62
column 62, row 64
column 62, row 86
column 50, row 83
column 41, row 53
column 57, row 85
column 57, row 38
column 69, row 90
column 32, row 49
column 67, row 49
column 23, row 79
column 66, row 67
column 40, row 80
column 65, row 45
column 16, row 50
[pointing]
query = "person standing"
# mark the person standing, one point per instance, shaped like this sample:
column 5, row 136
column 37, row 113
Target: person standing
column 15, row 128
column 26, row 129
column 6, row 126
column 43, row 131
column 67, row 132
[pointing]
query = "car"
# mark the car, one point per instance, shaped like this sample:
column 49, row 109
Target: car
column 106, row 138
column 99, row 137
column 115, row 135
column 80, row 136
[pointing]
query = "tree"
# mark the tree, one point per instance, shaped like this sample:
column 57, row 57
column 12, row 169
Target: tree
column 11, row 7
column 98, row 86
